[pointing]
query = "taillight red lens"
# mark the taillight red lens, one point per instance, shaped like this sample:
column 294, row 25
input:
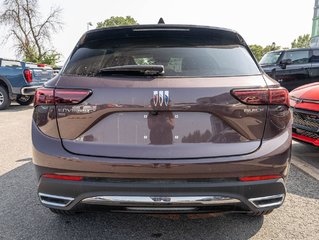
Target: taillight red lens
column 279, row 97
column 44, row 96
column 259, row 178
column 28, row 75
column 66, row 96
column 63, row 177
column 271, row 96
column 50, row 96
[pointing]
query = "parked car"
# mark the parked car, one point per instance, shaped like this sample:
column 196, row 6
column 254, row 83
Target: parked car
column 305, row 107
column 140, row 120
column 292, row 68
column 56, row 70
column 18, row 81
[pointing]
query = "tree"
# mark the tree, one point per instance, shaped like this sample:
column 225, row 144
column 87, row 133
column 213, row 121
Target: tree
column 302, row 41
column 117, row 21
column 257, row 50
column 260, row 51
column 30, row 32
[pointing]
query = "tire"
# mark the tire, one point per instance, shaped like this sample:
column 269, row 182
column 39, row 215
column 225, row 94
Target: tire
column 5, row 101
column 24, row 100
column 261, row 213
column 62, row 212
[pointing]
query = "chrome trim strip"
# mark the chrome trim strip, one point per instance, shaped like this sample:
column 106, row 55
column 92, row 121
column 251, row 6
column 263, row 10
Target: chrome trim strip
column 303, row 100
column 174, row 209
column 31, row 90
column 279, row 196
column 68, row 199
column 160, row 201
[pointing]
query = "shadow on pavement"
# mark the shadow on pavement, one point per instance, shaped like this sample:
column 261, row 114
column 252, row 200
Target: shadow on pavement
column 17, row 108
column 306, row 152
column 297, row 185
column 23, row 217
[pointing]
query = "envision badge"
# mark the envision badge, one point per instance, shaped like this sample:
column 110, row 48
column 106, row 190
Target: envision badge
column 160, row 98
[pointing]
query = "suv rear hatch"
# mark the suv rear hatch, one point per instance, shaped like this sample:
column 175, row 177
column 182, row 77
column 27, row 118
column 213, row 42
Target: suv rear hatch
column 186, row 111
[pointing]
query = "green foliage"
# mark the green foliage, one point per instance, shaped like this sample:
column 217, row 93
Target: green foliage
column 260, row 51
column 257, row 50
column 117, row 21
column 31, row 32
column 303, row 41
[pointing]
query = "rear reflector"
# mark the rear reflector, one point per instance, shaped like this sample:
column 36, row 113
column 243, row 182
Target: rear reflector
column 271, row 96
column 259, row 178
column 50, row 96
column 63, row 177
column 27, row 75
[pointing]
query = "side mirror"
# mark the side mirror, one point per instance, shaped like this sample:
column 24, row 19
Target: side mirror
column 283, row 63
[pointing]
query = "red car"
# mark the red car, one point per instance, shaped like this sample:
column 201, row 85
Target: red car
column 305, row 106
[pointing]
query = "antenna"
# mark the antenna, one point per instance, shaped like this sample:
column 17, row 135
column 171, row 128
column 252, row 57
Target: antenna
column 161, row 21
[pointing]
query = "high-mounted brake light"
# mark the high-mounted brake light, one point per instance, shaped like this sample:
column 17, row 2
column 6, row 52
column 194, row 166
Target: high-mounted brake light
column 50, row 96
column 272, row 96
column 259, row 178
column 27, row 75
column 63, row 177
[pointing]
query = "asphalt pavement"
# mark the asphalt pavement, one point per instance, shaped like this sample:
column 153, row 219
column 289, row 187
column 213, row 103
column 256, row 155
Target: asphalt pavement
column 23, row 217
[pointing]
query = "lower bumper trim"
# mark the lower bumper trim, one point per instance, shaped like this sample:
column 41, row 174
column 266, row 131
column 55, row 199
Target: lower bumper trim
column 160, row 201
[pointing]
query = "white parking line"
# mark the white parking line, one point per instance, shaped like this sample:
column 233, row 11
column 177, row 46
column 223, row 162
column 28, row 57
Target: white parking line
column 306, row 167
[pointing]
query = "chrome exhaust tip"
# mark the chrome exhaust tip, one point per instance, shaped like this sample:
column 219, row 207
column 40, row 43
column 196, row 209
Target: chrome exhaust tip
column 268, row 201
column 28, row 91
column 54, row 200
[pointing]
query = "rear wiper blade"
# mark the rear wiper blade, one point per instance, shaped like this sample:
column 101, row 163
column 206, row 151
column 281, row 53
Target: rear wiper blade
column 134, row 69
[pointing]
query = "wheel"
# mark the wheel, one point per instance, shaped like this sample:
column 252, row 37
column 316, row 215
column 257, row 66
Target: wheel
column 62, row 212
column 4, row 98
column 261, row 213
column 24, row 100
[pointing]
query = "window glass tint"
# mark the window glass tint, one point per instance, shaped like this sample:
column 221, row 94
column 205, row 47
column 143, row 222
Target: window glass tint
column 8, row 63
column 315, row 56
column 231, row 60
column 270, row 58
column 297, row 57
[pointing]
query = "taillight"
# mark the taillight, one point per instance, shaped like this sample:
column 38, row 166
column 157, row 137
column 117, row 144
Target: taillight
column 271, row 96
column 63, row 177
column 66, row 96
column 50, row 96
column 44, row 96
column 259, row 178
column 27, row 75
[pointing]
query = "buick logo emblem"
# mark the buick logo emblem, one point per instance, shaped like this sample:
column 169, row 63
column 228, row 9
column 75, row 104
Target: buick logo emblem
column 161, row 98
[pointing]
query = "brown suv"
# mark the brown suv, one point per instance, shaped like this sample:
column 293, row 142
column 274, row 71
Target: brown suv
column 161, row 119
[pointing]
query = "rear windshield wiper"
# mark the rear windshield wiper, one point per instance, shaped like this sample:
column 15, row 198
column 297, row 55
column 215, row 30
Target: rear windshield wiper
column 134, row 70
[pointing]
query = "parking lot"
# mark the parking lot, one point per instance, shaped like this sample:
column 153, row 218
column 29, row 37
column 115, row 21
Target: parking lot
column 23, row 217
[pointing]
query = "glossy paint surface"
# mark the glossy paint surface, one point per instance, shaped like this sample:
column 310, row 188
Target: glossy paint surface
column 121, row 114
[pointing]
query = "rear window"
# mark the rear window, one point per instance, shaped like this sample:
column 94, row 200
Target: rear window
column 9, row 63
column 270, row 58
column 194, row 60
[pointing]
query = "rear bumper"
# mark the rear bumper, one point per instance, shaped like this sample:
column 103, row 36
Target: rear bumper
column 162, row 196
column 215, row 179
column 29, row 90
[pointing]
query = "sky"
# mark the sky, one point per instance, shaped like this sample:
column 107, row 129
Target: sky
column 258, row 21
